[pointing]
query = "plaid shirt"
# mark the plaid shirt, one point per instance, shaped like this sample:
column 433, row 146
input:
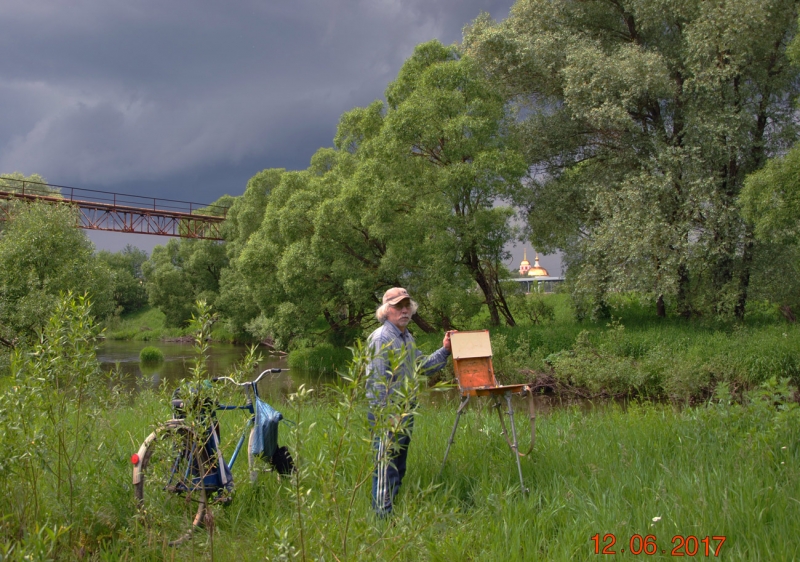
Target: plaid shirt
column 386, row 340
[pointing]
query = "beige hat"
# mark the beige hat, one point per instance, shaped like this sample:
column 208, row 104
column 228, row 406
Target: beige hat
column 395, row 295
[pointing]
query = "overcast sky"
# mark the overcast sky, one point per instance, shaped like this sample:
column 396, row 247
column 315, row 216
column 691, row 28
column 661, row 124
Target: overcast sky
column 188, row 99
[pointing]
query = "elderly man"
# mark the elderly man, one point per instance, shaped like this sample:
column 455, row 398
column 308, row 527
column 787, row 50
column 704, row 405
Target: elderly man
column 393, row 358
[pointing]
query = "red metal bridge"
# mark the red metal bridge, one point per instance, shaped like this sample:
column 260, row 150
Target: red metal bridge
column 118, row 212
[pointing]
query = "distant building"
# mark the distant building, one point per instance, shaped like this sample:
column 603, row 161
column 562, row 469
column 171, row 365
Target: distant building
column 525, row 265
column 537, row 270
column 535, row 278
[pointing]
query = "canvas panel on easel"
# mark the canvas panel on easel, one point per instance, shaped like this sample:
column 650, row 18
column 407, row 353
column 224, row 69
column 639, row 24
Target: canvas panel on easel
column 472, row 359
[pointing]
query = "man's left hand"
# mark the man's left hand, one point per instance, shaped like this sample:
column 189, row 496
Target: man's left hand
column 446, row 341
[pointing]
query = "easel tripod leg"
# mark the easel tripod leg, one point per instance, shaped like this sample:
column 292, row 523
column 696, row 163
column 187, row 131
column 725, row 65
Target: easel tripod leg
column 464, row 400
column 515, row 447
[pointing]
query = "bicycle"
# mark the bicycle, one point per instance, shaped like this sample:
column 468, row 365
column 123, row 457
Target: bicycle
column 177, row 473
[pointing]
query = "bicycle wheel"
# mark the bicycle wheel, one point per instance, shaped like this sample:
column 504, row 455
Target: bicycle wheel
column 168, row 483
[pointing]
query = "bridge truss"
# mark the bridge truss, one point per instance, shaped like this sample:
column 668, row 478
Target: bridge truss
column 117, row 212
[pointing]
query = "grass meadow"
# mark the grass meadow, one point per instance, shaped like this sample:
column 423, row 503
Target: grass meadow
column 716, row 470
column 722, row 460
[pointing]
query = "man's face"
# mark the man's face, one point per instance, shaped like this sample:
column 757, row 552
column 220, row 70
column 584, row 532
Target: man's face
column 400, row 314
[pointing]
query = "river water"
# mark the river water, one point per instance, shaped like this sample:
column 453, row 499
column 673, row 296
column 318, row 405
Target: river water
column 179, row 359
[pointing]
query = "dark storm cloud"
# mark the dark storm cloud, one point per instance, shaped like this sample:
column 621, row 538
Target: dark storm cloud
column 195, row 93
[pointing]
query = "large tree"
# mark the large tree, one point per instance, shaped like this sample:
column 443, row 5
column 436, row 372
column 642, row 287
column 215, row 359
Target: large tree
column 180, row 273
column 127, row 277
column 445, row 135
column 770, row 200
column 42, row 255
column 311, row 258
column 415, row 192
column 641, row 119
column 236, row 299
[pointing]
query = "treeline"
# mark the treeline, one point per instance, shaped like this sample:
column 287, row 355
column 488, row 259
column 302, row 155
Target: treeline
column 634, row 138
column 650, row 143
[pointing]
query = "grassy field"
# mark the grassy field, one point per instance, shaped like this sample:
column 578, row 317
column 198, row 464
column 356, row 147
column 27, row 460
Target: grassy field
column 725, row 463
column 149, row 324
column 717, row 470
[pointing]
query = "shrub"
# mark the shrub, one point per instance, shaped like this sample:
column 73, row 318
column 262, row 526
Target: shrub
column 151, row 355
column 322, row 359
column 53, row 413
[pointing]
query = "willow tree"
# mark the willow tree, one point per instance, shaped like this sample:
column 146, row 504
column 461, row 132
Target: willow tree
column 309, row 260
column 770, row 200
column 236, row 301
column 42, row 256
column 182, row 272
column 641, row 119
column 445, row 136
column 409, row 195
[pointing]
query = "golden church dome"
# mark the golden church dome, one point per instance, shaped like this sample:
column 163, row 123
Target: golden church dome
column 537, row 270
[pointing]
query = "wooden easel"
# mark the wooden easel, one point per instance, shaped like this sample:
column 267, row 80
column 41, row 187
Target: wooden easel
column 472, row 363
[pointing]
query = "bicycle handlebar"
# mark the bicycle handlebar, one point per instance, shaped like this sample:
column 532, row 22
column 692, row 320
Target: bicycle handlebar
column 274, row 370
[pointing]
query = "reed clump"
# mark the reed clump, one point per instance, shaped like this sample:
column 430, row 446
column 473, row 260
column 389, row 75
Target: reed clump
column 151, row 355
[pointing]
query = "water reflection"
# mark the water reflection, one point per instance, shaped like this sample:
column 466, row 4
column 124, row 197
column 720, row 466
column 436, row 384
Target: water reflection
column 179, row 359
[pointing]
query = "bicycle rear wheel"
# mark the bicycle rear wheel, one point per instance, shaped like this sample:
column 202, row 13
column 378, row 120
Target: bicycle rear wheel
column 168, row 483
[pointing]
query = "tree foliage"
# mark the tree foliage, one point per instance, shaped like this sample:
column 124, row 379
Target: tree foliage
column 771, row 199
column 641, row 119
column 236, row 301
column 127, row 277
column 42, row 255
column 414, row 193
column 445, row 136
column 182, row 272
column 18, row 182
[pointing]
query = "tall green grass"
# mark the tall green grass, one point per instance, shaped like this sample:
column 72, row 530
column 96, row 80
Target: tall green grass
column 729, row 466
column 151, row 355
column 147, row 324
column 720, row 469
column 323, row 359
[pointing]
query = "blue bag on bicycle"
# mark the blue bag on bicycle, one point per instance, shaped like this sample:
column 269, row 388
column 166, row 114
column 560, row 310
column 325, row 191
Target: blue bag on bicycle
column 265, row 432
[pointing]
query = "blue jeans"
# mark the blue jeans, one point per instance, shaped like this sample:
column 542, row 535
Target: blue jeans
column 391, row 453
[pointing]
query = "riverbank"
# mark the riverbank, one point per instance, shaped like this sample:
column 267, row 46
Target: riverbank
column 637, row 355
column 149, row 324
column 634, row 355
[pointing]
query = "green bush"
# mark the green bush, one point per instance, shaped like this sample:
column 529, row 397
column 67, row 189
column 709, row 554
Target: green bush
column 151, row 355
column 323, row 359
column 54, row 410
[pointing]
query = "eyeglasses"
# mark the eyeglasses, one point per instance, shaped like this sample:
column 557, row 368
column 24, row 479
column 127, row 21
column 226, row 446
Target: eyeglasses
column 405, row 303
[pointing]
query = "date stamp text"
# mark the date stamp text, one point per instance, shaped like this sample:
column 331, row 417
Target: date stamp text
column 648, row 544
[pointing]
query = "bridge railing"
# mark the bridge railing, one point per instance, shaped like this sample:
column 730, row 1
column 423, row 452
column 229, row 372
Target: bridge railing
column 27, row 188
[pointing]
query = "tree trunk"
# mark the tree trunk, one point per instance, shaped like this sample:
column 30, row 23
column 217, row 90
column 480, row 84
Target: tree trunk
column 423, row 324
column 474, row 266
column 500, row 298
column 684, row 305
column 661, row 310
column 787, row 312
column 445, row 322
column 744, row 276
